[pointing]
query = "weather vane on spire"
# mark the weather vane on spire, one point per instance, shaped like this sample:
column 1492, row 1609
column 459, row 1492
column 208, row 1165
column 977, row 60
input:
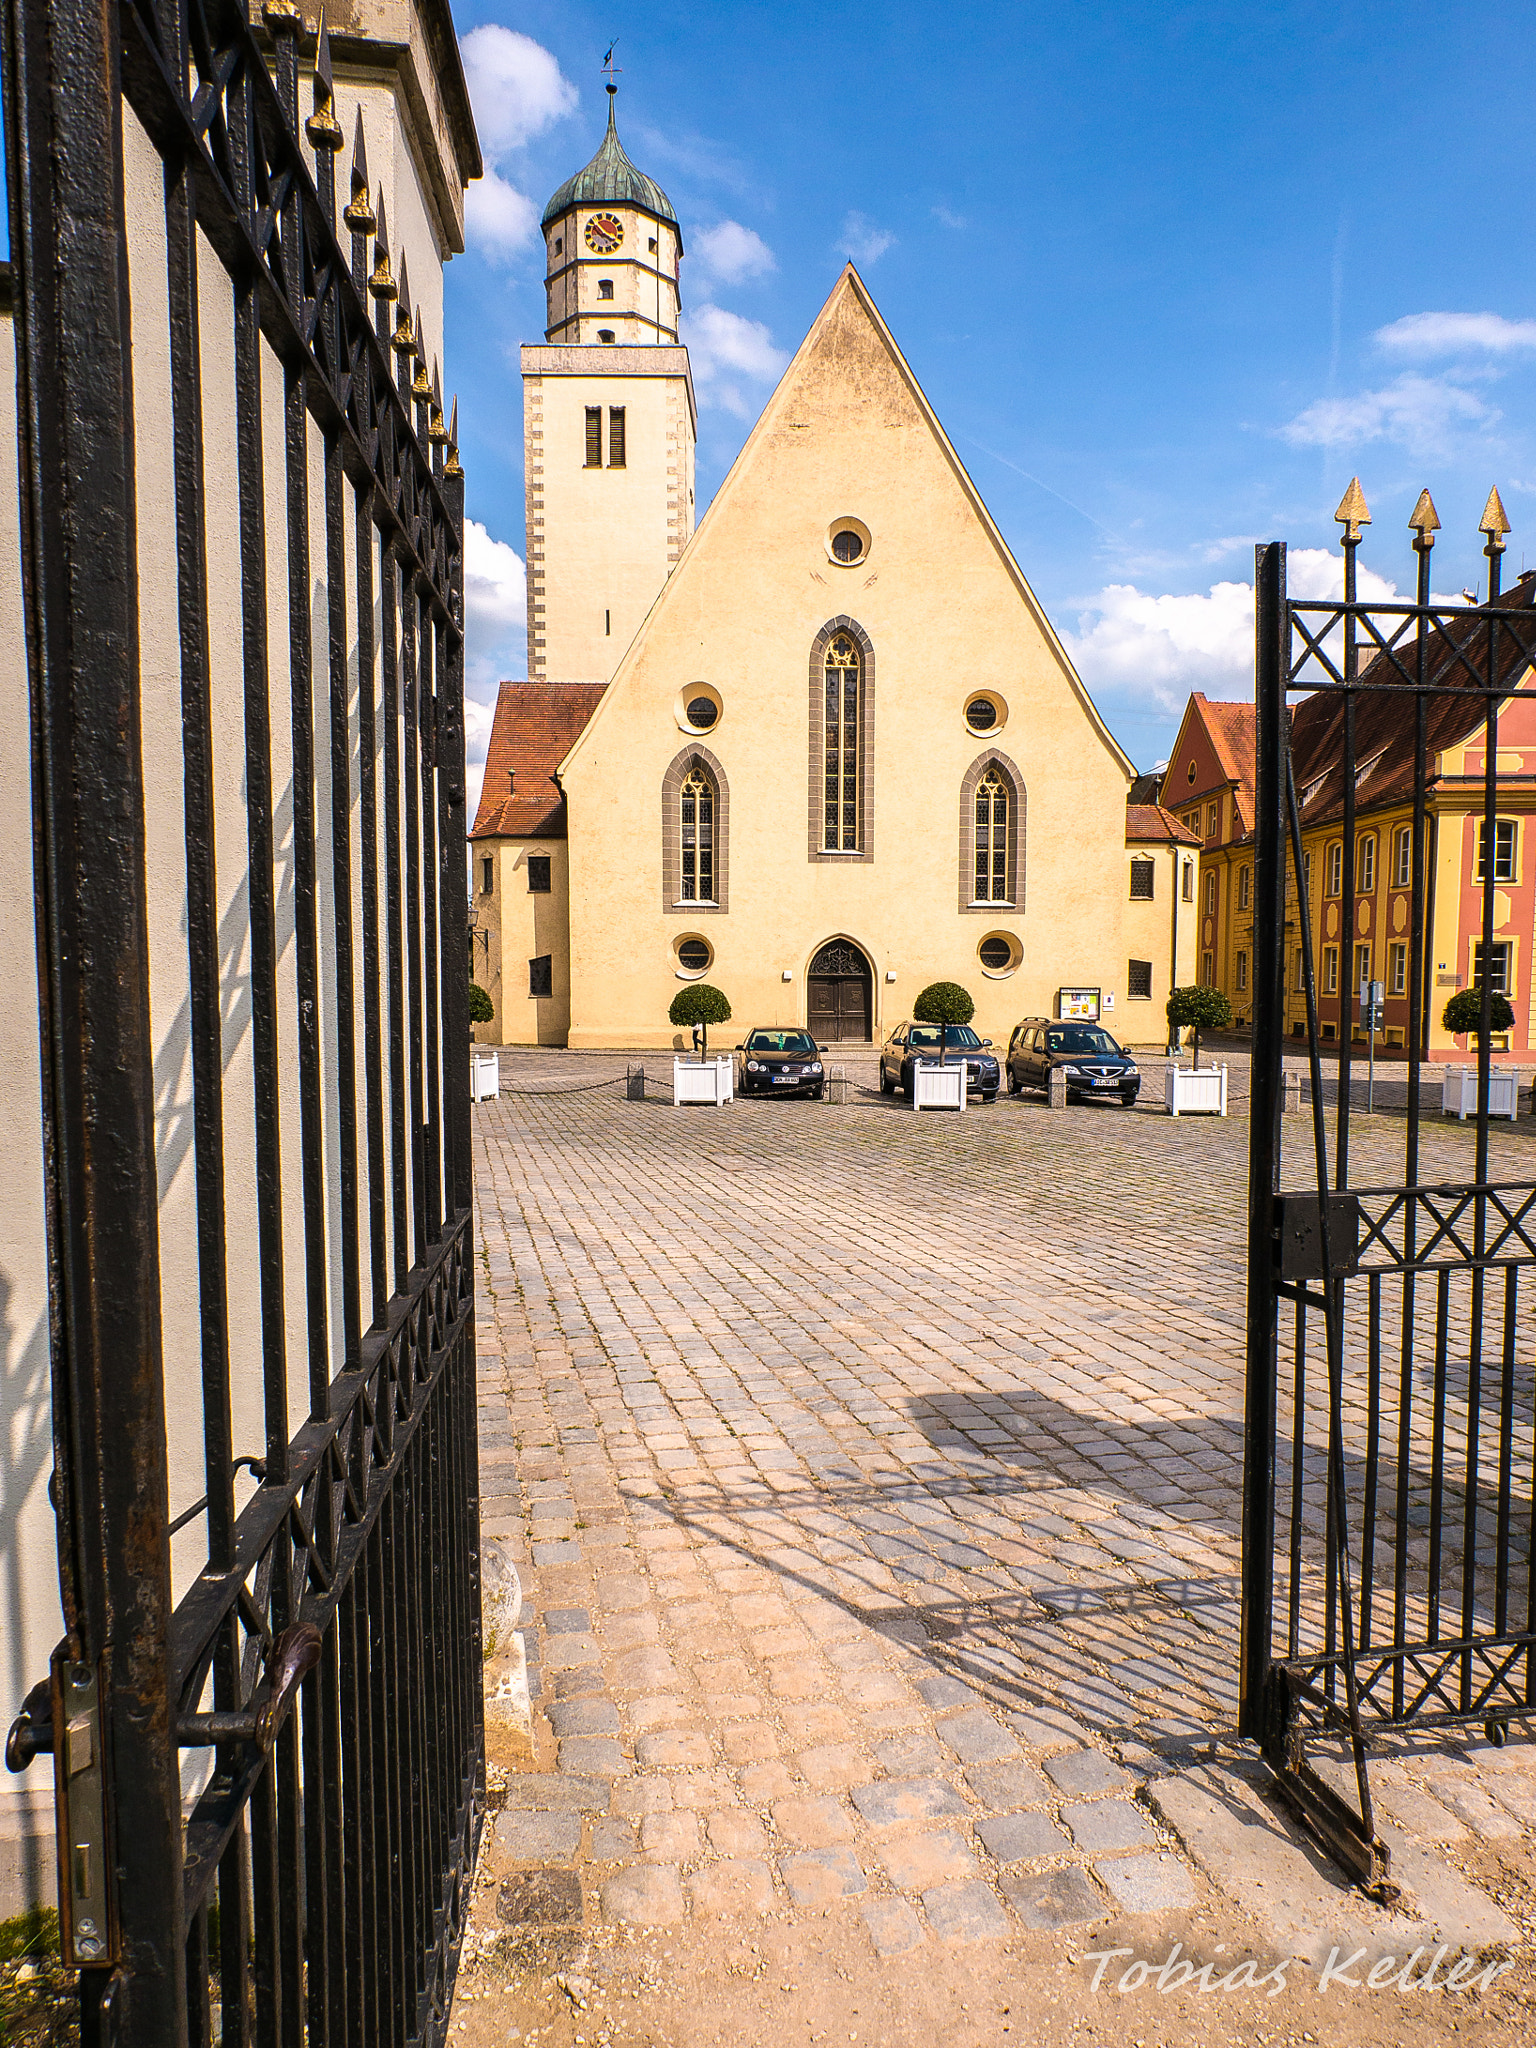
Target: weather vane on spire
column 611, row 71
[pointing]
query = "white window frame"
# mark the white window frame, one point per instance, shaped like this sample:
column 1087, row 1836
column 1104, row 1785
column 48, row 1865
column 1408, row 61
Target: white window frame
column 1365, row 865
column 1397, row 968
column 1503, row 871
column 1402, row 857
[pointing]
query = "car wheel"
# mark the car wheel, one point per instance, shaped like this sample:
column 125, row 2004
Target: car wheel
column 1129, row 1100
column 818, row 1093
column 989, row 1095
column 887, row 1085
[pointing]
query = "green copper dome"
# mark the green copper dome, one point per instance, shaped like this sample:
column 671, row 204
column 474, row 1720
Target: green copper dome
column 611, row 179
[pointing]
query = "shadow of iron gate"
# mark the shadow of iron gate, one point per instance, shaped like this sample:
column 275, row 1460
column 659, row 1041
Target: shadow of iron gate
column 1387, row 1514
column 268, row 1698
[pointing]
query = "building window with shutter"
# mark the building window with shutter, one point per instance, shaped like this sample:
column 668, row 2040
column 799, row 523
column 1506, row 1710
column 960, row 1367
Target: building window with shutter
column 538, row 874
column 1139, row 981
column 541, row 976
column 615, row 437
column 1143, row 878
column 594, row 437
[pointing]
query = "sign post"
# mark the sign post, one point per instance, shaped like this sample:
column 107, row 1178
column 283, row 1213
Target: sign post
column 1372, row 994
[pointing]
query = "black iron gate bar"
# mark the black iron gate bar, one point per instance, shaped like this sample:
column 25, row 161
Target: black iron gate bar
column 335, row 1627
column 1458, row 664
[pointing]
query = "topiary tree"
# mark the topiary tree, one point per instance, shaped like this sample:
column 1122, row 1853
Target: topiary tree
column 1464, row 1012
column 943, row 1003
column 481, row 1009
column 700, row 1004
column 1201, row 1009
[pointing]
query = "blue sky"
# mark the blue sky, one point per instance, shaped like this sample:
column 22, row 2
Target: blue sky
column 1163, row 270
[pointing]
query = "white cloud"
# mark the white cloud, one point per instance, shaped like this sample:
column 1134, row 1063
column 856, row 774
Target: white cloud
column 1151, row 651
column 1422, row 413
column 499, row 219
column 495, row 612
column 947, row 219
column 517, row 90
column 731, row 252
column 1456, row 334
column 863, row 241
column 516, row 87
column 727, row 350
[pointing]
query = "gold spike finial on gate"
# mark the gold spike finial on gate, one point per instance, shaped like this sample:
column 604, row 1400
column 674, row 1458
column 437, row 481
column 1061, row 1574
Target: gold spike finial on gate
column 1425, row 521
column 1495, row 520
column 451, row 465
column 436, row 431
column 382, row 283
column 282, row 17
column 358, row 214
column 1353, row 512
column 322, row 127
column 403, row 340
column 421, row 389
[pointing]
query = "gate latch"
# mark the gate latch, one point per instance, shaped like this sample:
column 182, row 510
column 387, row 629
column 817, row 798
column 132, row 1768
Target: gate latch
column 1303, row 1253
column 87, row 1930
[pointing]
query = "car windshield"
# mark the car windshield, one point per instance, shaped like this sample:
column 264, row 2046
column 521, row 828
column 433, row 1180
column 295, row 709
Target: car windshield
column 955, row 1034
column 781, row 1041
column 1079, row 1038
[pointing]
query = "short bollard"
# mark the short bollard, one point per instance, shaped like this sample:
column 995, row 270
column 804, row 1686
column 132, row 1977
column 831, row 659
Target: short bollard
column 1290, row 1094
column 1056, row 1089
column 634, row 1084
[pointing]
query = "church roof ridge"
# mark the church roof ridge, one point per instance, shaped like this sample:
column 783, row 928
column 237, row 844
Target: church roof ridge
column 611, row 179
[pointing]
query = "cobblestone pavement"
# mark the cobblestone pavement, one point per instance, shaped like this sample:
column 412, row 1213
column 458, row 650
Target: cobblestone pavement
column 874, row 1480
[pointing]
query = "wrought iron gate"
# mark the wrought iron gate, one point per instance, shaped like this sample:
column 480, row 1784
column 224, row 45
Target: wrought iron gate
column 1391, row 1328
column 248, row 747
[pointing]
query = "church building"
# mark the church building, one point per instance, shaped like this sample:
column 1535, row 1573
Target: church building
column 821, row 752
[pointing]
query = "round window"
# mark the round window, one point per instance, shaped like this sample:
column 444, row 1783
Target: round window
column 996, row 954
column 702, row 712
column 693, row 955
column 848, row 541
column 847, row 546
column 981, row 715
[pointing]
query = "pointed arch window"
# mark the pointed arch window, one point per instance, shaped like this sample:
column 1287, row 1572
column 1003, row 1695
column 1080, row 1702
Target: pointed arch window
column 696, row 838
column 843, row 678
column 992, row 839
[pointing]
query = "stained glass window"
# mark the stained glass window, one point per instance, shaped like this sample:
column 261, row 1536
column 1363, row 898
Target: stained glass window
column 840, row 745
column 698, row 838
column 991, row 838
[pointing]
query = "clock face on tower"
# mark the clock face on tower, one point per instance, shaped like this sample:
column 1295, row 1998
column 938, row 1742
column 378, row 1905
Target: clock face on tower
column 605, row 231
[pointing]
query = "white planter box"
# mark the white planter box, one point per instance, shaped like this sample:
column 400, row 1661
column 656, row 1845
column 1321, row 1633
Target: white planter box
column 1194, row 1091
column 484, row 1075
column 1461, row 1092
column 710, row 1080
column 936, row 1087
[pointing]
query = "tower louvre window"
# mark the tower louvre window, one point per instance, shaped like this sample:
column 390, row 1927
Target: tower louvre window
column 594, row 437
column 840, row 756
column 541, row 976
column 615, row 437
column 605, row 287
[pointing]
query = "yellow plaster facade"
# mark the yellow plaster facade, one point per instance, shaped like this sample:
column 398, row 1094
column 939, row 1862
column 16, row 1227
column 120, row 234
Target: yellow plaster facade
column 939, row 610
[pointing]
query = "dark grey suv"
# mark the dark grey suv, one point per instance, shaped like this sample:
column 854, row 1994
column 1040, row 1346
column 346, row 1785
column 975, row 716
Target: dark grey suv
column 1091, row 1062
column 909, row 1042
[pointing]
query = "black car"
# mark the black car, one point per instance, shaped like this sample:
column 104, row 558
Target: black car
column 781, row 1063
column 909, row 1042
column 1086, row 1054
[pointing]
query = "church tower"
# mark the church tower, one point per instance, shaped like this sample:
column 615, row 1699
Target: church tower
column 608, row 419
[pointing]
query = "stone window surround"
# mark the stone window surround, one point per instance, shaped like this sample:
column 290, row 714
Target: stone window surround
column 993, row 757
column 816, row 744
column 672, row 782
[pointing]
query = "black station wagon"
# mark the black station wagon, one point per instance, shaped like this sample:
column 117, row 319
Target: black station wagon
column 909, row 1042
column 781, row 1063
column 1089, row 1058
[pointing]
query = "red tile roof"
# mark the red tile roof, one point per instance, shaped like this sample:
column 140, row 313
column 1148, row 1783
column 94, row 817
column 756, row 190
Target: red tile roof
column 535, row 727
column 1151, row 822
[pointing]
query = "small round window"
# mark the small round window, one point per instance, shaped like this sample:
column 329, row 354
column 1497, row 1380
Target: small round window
column 847, row 546
column 698, row 707
column 693, row 956
column 702, row 712
column 847, row 542
column 982, row 715
column 996, row 954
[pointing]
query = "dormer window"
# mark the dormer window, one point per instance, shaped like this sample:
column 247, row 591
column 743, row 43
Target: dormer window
column 605, row 287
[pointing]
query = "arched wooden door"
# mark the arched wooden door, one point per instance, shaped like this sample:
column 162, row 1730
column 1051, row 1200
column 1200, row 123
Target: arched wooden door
column 841, row 996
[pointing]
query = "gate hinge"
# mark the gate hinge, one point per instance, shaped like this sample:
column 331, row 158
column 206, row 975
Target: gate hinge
column 1299, row 1226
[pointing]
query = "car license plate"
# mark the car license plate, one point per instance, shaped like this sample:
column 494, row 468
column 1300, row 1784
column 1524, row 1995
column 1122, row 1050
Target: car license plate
column 779, row 1079
column 1106, row 1081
